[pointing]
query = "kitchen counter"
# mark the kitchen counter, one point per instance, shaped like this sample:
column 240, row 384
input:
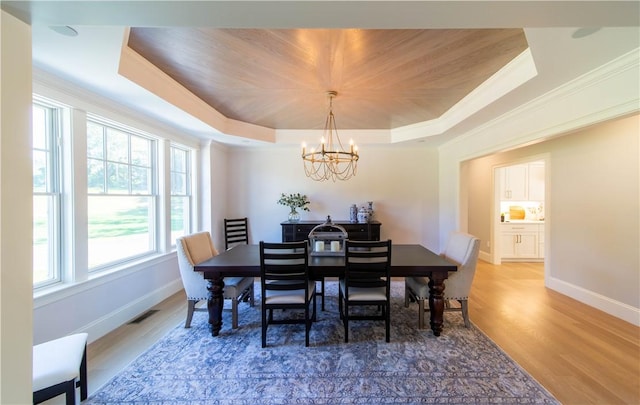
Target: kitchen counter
column 522, row 239
column 522, row 221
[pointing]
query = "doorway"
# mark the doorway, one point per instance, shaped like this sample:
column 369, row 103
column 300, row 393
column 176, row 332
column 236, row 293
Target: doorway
column 479, row 202
column 519, row 224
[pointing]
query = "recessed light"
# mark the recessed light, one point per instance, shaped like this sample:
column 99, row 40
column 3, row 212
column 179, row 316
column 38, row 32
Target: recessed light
column 584, row 32
column 64, row 30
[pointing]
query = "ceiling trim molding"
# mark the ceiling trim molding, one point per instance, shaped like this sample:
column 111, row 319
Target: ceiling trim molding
column 514, row 74
column 61, row 91
column 605, row 93
column 312, row 137
column 142, row 72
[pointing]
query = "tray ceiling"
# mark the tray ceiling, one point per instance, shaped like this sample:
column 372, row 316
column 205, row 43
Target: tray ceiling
column 278, row 78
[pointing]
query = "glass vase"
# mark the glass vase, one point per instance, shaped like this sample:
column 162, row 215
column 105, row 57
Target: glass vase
column 294, row 216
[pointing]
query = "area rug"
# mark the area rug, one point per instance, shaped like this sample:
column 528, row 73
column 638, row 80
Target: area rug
column 189, row 366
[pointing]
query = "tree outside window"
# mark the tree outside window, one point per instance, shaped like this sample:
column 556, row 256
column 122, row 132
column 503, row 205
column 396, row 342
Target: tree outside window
column 46, row 195
column 180, row 192
column 121, row 194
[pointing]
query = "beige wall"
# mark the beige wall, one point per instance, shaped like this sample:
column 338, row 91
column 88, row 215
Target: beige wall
column 402, row 182
column 595, row 229
column 592, row 217
column 16, row 190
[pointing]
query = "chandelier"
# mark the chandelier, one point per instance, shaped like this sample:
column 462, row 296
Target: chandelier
column 330, row 160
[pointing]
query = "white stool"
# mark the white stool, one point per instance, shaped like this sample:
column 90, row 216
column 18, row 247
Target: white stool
column 57, row 365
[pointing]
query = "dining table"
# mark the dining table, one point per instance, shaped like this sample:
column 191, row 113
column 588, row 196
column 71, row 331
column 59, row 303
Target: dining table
column 407, row 260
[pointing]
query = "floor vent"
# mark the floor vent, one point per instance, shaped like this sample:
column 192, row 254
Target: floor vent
column 144, row 316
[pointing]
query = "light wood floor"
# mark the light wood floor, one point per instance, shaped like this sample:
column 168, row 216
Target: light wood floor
column 581, row 355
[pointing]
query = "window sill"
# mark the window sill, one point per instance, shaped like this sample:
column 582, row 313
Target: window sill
column 50, row 294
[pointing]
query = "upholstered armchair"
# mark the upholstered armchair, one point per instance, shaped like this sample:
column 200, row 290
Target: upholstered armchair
column 461, row 249
column 194, row 249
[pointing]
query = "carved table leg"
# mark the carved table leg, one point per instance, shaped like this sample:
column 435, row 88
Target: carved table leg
column 436, row 302
column 215, row 303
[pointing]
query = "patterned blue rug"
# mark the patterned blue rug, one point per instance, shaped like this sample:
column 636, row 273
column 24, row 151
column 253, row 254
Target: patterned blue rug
column 189, row 366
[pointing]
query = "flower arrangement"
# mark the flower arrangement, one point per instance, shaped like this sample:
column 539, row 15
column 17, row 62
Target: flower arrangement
column 294, row 201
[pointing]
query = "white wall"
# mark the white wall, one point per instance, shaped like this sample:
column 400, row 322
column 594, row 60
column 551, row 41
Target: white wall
column 98, row 306
column 402, row 182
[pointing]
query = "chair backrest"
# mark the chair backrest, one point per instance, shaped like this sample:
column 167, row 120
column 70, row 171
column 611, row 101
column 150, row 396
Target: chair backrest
column 235, row 232
column 194, row 249
column 284, row 266
column 367, row 263
column 462, row 249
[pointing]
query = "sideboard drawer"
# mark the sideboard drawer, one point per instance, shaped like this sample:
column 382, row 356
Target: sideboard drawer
column 302, row 231
column 294, row 232
column 358, row 231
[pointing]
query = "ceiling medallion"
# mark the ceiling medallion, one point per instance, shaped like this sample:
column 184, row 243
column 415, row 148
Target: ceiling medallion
column 331, row 160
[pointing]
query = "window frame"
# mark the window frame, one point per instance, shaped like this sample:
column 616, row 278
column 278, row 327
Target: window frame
column 73, row 273
column 189, row 188
column 53, row 190
column 154, row 219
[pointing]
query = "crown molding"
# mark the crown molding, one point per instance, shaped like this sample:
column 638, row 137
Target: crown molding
column 605, row 93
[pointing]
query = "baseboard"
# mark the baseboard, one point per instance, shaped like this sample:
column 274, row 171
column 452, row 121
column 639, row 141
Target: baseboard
column 115, row 319
column 487, row 257
column 612, row 307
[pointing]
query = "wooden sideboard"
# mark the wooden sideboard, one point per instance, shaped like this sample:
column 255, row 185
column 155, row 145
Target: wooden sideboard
column 298, row 231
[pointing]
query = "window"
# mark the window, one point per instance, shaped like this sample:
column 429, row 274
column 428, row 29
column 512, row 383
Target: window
column 139, row 196
column 46, row 195
column 121, row 206
column 180, row 192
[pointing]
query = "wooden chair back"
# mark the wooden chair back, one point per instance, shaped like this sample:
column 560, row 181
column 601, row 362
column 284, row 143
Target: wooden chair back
column 236, row 231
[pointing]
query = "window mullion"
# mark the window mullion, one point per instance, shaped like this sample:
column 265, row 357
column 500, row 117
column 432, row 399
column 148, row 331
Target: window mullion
column 123, row 219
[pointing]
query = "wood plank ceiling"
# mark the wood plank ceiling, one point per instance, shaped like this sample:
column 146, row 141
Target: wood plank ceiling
column 279, row 78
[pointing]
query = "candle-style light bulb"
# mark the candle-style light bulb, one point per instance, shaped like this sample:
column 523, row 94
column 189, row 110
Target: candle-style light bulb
column 304, row 147
column 351, row 145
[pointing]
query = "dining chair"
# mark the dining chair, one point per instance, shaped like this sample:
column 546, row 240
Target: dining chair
column 366, row 282
column 462, row 249
column 284, row 270
column 236, row 231
column 194, row 249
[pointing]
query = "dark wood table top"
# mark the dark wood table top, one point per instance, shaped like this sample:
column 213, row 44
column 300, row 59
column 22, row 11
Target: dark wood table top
column 320, row 222
column 406, row 260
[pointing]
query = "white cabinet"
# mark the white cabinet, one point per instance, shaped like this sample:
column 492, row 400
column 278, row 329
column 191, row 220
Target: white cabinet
column 536, row 181
column 541, row 241
column 514, row 183
column 520, row 241
column 523, row 182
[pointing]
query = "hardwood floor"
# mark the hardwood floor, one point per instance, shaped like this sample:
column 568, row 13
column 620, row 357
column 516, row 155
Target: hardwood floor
column 581, row 355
